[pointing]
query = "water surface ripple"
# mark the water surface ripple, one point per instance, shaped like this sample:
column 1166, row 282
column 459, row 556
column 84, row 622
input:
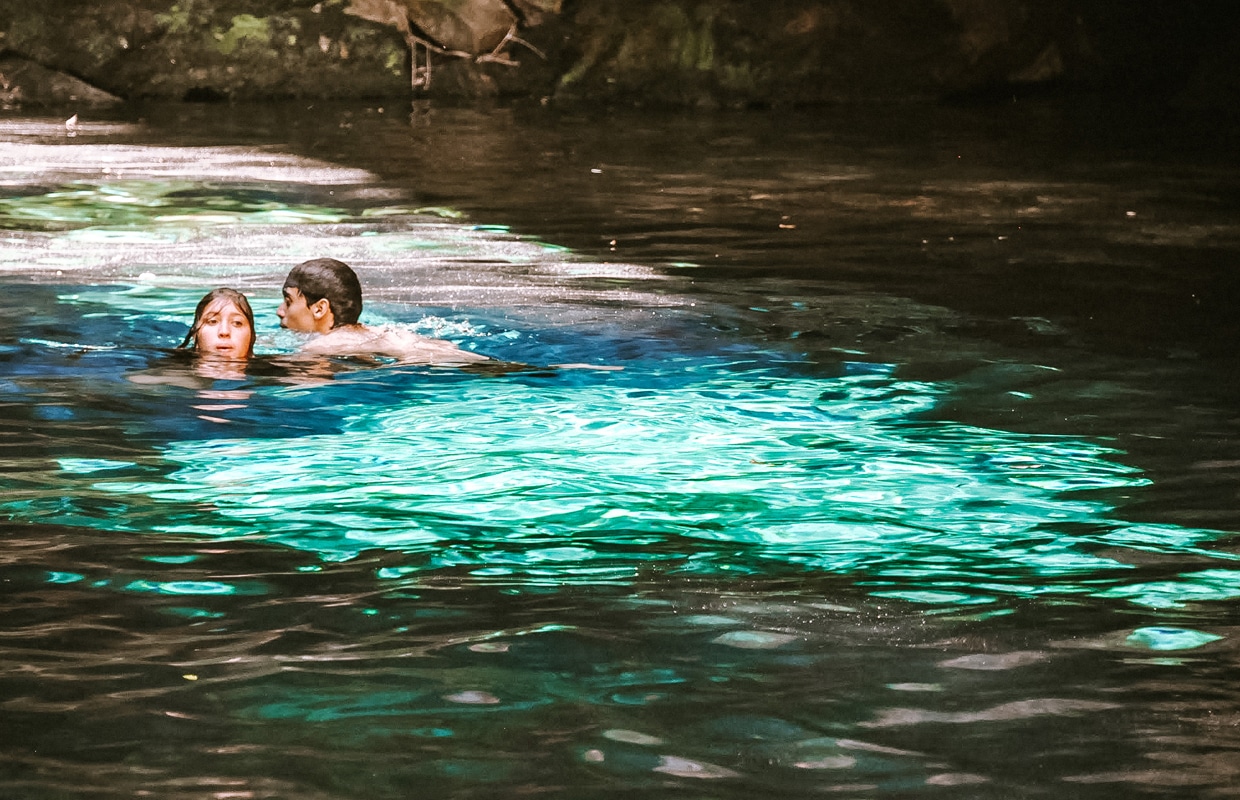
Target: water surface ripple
column 911, row 471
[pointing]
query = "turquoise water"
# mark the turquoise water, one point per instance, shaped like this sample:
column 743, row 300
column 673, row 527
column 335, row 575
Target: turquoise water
column 697, row 465
column 557, row 475
column 793, row 522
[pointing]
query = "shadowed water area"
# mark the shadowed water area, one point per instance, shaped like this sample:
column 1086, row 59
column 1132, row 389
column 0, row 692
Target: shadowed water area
column 908, row 466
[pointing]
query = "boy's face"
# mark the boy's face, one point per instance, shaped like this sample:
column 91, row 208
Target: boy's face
column 294, row 314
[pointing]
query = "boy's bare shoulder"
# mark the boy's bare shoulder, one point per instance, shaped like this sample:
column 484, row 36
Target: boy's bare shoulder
column 389, row 342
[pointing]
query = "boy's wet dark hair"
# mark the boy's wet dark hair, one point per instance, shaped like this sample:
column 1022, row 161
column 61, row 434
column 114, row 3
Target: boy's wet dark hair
column 326, row 277
column 233, row 296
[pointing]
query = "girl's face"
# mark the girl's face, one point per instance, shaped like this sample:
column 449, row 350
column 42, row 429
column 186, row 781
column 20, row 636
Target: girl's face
column 225, row 331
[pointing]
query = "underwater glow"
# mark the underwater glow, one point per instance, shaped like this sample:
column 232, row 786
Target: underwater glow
column 836, row 491
column 698, row 464
column 695, row 466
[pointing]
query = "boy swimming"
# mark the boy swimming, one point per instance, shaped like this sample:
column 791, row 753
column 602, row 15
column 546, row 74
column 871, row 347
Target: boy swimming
column 323, row 296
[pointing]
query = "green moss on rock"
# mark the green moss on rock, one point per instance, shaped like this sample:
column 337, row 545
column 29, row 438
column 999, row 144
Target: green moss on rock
column 246, row 29
column 652, row 52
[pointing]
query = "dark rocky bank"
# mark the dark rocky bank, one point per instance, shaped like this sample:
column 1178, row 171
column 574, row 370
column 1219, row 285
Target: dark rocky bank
column 653, row 53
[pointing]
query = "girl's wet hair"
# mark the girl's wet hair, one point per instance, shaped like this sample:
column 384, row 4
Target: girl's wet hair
column 335, row 280
column 224, row 293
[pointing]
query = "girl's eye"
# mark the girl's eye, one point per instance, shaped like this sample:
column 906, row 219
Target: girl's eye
column 211, row 320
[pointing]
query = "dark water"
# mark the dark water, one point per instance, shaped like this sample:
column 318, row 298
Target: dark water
column 917, row 477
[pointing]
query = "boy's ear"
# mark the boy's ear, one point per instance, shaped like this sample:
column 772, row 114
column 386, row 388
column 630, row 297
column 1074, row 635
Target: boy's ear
column 320, row 307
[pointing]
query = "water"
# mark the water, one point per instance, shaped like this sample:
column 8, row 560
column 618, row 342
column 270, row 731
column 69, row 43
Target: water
column 912, row 471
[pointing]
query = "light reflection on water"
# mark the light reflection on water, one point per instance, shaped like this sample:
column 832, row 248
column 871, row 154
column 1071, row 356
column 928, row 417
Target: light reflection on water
column 703, row 464
column 168, row 233
column 773, row 555
column 710, row 467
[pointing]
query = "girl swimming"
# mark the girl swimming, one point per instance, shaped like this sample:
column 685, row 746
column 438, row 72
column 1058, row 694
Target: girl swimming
column 223, row 326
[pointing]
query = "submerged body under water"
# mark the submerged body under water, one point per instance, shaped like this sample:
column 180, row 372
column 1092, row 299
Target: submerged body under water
column 891, row 481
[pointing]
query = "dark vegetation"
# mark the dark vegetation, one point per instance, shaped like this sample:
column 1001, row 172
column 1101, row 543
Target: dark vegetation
column 669, row 53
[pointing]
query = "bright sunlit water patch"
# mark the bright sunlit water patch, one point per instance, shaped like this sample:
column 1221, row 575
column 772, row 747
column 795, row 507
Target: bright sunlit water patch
column 692, row 463
column 696, row 467
column 22, row 161
column 695, row 462
column 178, row 230
column 125, row 205
column 868, row 510
column 1166, row 638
